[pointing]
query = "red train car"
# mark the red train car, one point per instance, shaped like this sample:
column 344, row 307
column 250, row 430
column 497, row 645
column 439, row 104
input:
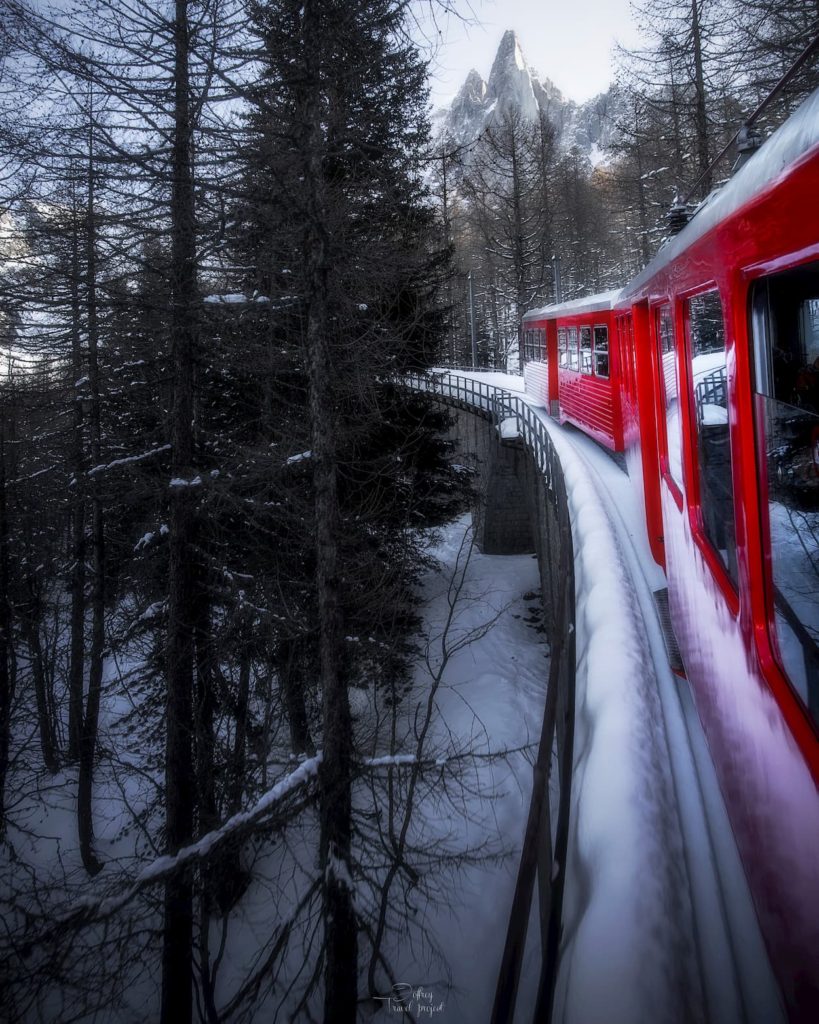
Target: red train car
column 719, row 343
column 713, row 385
column 571, row 361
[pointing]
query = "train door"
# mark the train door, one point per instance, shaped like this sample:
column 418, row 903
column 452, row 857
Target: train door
column 645, row 363
column 785, row 345
column 551, row 359
column 710, row 488
column 628, row 397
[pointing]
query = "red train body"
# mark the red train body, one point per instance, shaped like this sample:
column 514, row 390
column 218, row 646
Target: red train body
column 714, row 391
column 581, row 371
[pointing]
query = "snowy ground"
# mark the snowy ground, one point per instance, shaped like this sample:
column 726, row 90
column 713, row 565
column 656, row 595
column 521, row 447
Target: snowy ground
column 484, row 726
column 491, row 698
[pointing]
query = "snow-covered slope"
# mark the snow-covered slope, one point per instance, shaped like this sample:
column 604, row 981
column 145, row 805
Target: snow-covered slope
column 514, row 86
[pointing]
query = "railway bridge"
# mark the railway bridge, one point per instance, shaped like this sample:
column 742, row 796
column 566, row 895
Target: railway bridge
column 629, row 884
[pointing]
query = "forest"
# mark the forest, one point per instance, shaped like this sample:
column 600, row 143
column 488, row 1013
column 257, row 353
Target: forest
column 227, row 234
column 533, row 220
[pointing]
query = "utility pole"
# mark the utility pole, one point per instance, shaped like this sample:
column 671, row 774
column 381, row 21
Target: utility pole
column 556, row 275
column 445, row 200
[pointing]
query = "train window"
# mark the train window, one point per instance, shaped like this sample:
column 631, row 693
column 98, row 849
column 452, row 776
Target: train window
column 785, row 331
column 562, row 347
column 585, row 350
column 601, row 351
column 574, row 361
column 706, row 332
column 664, row 325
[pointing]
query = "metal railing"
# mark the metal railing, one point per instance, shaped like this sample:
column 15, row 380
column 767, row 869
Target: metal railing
column 545, row 844
column 712, row 390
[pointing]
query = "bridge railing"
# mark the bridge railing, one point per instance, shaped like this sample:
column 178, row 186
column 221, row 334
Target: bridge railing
column 545, row 844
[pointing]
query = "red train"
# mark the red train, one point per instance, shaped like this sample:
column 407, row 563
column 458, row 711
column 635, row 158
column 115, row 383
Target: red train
column 705, row 370
column 569, row 358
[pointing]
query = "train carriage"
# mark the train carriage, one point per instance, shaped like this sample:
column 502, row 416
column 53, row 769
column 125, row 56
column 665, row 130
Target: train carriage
column 571, row 360
column 714, row 382
column 725, row 326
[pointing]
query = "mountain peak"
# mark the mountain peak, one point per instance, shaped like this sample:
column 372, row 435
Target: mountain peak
column 510, row 50
column 510, row 81
column 513, row 87
column 468, row 104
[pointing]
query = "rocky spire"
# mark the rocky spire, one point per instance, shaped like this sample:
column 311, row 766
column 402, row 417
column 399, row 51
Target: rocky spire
column 469, row 102
column 510, row 81
column 514, row 86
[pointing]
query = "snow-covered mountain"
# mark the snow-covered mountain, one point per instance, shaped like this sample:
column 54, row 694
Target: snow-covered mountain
column 514, row 85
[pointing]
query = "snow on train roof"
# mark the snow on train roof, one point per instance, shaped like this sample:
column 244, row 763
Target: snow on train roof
column 588, row 304
column 798, row 135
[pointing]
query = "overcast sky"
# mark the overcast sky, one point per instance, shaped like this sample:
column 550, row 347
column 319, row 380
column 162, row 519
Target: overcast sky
column 569, row 41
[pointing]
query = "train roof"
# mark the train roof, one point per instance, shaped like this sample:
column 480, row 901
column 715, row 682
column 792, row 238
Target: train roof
column 588, row 304
column 792, row 140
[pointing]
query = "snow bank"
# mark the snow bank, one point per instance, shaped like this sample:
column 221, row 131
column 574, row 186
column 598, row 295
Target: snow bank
column 629, row 953
column 475, row 794
column 585, row 304
column 301, row 457
column 509, row 428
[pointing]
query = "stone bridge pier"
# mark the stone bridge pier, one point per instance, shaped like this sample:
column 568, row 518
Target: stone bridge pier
column 502, row 513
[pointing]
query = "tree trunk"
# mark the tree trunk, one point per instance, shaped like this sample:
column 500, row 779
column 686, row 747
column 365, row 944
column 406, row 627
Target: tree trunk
column 88, row 745
column 76, row 671
column 5, row 628
column 341, row 939
column 641, row 203
column 31, row 628
column 292, row 684
column 180, row 788
column 216, row 879
column 700, row 119
column 237, row 781
column 204, row 657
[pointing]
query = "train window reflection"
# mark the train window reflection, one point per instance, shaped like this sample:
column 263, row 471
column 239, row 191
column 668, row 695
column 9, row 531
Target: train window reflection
column 673, row 427
column 562, row 347
column 601, row 351
column 786, row 351
column 706, row 333
column 585, row 350
column 574, row 361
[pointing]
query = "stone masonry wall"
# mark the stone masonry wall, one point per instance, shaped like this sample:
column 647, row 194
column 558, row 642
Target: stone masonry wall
column 503, row 509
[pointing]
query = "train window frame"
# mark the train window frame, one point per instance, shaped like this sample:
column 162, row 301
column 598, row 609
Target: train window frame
column 675, row 486
column 769, row 393
column 573, row 350
column 595, row 363
column 585, row 351
column 726, row 575
column 562, row 348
